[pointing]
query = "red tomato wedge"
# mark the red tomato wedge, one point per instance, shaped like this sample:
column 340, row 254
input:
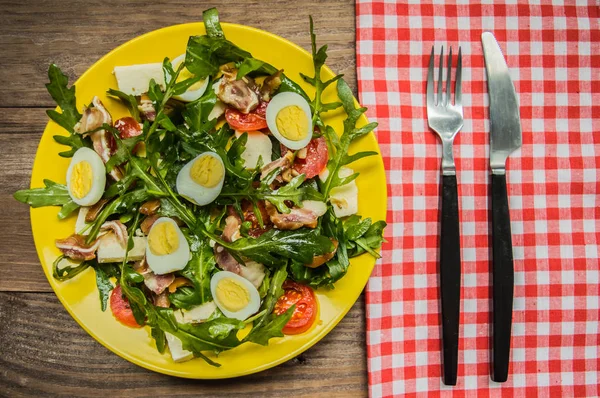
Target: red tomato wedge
column 252, row 121
column 119, row 305
column 128, row 127
column 317, row 156
column 305, row 312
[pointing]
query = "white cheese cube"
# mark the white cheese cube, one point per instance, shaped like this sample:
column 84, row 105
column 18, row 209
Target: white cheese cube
column 258, row 145
column 176, row 347
column 80, row 224
column 135, row 79
column 344, row 199
column 197, row 314
column 111, row 251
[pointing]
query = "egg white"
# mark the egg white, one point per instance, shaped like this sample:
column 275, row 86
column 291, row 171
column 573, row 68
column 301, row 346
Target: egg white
column 253, row 304
column 196, row 193
column 190, row 95
column 281, row 101
column 98, row 176
column 175, row 261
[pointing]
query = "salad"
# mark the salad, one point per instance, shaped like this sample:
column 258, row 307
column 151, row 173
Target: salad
column 212, row 212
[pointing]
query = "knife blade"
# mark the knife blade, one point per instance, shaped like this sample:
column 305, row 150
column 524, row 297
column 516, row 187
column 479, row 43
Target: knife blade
column 505, row 138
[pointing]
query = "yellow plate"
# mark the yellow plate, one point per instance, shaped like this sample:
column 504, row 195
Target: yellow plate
column 80, row 296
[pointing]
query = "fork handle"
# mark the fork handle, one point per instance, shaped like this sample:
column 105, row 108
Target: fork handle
column 450, row 277
column 503, row 277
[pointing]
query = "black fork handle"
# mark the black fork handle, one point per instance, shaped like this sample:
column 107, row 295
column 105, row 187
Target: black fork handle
column 503, row 278
column 450, row 277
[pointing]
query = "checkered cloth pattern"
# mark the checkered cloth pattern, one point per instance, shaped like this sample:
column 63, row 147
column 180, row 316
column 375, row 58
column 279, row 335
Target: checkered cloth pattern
column 553, row 52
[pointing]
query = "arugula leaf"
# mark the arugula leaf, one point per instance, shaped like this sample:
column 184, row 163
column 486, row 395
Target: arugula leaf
column 75, row 141
column 270, row 325
column 196, row 113
column 129, row 101
column 105, row 286
column 198, row 270
column 211, row 23
column 275, row 246
column 319, row 57
column 204, row 54
column 291, row 191
column 63, row 273
column 339, row 148
column 53, row 194
column 362, row 240
column 118, row 205
column 247, row 66
column 64, row 98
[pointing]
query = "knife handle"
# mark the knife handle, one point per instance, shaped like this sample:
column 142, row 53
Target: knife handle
column 450, row 277
column 503, row 278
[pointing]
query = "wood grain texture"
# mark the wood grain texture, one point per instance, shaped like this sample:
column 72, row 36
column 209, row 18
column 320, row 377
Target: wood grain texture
column 74, row 34
column 43, row 352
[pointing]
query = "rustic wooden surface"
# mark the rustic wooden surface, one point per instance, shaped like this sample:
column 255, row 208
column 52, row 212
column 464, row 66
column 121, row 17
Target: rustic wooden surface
column 43, row 352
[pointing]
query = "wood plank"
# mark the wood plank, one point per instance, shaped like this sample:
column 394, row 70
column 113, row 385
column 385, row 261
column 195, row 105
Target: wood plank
column 81, row 32
column 45, row 353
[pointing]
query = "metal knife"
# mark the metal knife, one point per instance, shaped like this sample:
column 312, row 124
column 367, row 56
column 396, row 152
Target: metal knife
column 505, row 137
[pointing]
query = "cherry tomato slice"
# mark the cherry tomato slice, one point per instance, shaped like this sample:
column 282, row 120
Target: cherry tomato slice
column 128, row 127
column 119, row 305
column 247, row 122
column 305, row 312
column 317, row 156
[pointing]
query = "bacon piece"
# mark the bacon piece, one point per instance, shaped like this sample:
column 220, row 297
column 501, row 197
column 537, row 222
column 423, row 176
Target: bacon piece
column 150, row 207
column 75, row 247
column 296, row 218
column 283, row 163
column 156, row 283
column 148, row 222
column 240, row 94
column 119, row 229
column 103, row 142
column 226, row 261
column 94, row 210
column 147, row 108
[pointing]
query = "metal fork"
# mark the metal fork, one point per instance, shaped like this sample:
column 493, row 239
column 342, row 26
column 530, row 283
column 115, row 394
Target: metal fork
column 446, row 119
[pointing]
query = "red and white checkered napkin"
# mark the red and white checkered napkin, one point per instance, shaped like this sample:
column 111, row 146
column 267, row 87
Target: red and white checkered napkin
column 553, row 52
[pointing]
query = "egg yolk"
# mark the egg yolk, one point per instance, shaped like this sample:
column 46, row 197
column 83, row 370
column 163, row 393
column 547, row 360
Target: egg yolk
column 232, row 295
column 292, row 123
column 163, row 239
column 207, row 171
column 82, row 179
column 186, row 74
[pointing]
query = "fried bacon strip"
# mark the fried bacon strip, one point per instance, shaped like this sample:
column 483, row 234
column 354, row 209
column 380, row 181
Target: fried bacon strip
column 156, row 283
column 75, row 247
column 103, row 141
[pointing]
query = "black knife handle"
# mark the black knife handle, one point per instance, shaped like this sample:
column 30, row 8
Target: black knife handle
column 450, row 277
column 503, row 278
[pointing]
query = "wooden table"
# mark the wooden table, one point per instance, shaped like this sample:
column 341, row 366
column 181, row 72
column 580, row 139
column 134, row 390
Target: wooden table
column 43, row 351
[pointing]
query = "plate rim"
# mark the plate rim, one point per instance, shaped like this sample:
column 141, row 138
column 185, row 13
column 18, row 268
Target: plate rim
column 290, row 355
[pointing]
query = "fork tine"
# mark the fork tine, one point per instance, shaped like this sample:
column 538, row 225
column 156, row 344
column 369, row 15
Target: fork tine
column 458, row 90
column 440, row 78
column 448, row 79
column 430, row 99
